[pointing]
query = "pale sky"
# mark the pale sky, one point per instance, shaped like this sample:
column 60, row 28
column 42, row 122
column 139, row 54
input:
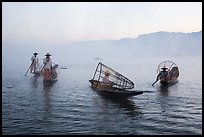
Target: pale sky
column 71, row 22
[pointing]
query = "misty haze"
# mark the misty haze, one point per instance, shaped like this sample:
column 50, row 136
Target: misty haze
column 130, row 39
column 147, row 45
column 136, row 59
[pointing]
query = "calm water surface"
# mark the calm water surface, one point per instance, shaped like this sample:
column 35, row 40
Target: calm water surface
column 69, row 106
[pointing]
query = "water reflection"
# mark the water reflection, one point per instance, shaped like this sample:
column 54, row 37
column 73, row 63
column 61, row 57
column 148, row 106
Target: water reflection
column 163, row 89
column 163, row 101
column 36, row 81
column 47, row 86
column 34, row 84
column 164, row 97
column 124, row 103
column 47, row 104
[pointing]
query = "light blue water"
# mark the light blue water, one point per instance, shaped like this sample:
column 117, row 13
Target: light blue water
column 70, row 106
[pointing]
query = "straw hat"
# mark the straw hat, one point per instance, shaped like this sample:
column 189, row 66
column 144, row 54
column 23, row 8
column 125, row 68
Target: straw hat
column 164, row 68
column 47, row 54
column 107, row 72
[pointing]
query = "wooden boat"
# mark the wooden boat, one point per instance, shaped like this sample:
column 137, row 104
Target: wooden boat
column 118, row 85
column 54, row 75
column 38, row 73
column 63, row 67
column 167, row 73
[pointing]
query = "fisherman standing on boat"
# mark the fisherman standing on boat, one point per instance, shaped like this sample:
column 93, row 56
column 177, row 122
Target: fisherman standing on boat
column 34, row 64
column 162, row 74
column 47, row 67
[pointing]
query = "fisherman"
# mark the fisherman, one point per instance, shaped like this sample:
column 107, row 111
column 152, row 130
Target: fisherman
column 107, row 84
column 106, row 77
column 162, row 74
column 47, row 61
column 34, row 64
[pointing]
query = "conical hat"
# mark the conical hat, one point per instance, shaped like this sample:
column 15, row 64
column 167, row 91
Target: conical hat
column 107, row 72
column 47, row 54
column 164, row 67
column 35, row 53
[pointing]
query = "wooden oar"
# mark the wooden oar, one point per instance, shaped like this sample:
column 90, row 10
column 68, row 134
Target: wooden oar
column 155, row 82
column 28, row 68
column 40, row 71
column 159, row 78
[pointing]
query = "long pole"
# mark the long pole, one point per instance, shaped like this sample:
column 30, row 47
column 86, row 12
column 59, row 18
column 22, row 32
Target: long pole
column 155, row 82
column 41, row 70
column 28, row 68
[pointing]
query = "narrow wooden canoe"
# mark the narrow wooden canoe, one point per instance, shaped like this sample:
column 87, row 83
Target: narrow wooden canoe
column 119, row 85
column 171, row 75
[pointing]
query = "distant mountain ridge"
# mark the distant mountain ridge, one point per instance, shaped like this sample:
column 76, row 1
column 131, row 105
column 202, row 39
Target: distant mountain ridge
column 158, row 43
